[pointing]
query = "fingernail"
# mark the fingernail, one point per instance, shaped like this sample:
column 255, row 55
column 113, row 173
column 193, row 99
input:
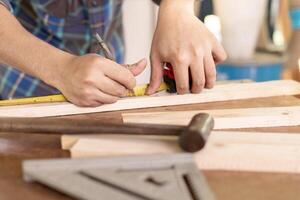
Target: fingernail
column 124, row 94
column 143, row 60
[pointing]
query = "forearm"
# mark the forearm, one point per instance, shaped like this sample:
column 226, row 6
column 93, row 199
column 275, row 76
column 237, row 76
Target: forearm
column 183, row 4
column 27, row 53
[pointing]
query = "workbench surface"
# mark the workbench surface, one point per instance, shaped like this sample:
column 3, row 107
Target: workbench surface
column 226, row 185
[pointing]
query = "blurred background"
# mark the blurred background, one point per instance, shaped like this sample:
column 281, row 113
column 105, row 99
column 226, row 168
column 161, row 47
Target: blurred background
column 261, row 37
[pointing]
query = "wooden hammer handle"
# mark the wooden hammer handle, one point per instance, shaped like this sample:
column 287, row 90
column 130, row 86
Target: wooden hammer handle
column 80, row 126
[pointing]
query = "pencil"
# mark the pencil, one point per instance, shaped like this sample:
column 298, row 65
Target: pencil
column 104, row 47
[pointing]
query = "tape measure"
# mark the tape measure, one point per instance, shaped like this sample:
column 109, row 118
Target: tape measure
column 137, row 91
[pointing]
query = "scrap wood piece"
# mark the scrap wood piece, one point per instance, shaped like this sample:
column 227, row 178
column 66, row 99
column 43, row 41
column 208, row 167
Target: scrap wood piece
column 259, row 152
column 68, row 141
column 238, row 151
column 224, row 118
column 219, row 93
column 123, row 146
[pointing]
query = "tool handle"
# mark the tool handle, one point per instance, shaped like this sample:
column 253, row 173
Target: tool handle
column 83, row 126
column 169, row 78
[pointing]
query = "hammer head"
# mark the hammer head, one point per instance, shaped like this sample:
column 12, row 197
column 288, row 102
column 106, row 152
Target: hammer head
column 195, row 135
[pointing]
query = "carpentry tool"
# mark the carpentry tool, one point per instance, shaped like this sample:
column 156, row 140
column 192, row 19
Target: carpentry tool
column 191, row 138
column 104, row 47
column 137, row 91
column 154, row 177
column 169, row 78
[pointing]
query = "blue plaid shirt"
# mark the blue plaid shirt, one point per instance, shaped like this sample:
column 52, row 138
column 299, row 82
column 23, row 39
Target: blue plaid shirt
column 66, row 24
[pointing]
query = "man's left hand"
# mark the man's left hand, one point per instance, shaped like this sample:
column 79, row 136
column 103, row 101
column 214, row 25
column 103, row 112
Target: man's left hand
column 183, row 40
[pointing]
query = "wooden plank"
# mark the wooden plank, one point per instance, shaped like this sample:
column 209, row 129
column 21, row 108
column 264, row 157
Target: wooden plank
column 68, row 141
column 238, row 151
column 225, row 118
column 219, row 93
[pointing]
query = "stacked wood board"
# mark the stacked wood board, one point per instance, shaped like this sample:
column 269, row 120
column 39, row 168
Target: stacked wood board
column 226, row 92
column 239, row 151
column 224, row 118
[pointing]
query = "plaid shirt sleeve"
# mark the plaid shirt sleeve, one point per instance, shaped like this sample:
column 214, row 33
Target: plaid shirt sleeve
column 7, row 4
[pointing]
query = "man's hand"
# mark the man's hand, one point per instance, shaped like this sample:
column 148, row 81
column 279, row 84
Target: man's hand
column 91, row 80
column 88, row 80
column 182, row 40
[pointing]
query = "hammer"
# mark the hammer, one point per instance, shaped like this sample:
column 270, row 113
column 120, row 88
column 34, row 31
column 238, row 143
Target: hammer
column 192, row 138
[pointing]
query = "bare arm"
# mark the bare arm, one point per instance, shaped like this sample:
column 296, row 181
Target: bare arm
column 27, row 53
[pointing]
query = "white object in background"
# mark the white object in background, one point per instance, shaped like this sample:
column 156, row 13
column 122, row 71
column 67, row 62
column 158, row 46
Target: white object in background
column 139, row 26
column 241, row 22
column 212, row 22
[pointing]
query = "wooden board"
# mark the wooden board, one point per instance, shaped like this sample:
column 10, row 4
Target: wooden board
column 238, row 151
column 226, row 118
column 219, row 93
column 69, row 142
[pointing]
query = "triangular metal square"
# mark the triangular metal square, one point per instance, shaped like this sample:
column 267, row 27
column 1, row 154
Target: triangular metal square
column 153, row 184
column 155, row 177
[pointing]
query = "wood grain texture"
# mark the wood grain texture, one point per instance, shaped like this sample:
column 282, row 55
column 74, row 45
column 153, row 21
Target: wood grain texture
column 227, row 185
column 219, row 93
column 233, row 151
column 224, row 118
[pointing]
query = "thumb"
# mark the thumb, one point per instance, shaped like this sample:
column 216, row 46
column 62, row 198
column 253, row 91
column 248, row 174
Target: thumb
column 138, row 67
column 156, row 75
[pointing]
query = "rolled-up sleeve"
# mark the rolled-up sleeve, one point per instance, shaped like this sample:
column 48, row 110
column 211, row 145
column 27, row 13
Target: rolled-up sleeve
column 7, row 4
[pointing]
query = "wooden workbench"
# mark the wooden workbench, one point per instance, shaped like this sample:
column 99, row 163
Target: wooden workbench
column 226, row 185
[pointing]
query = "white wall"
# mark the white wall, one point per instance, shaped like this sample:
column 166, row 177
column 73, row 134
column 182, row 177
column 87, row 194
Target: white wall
column 139, row 25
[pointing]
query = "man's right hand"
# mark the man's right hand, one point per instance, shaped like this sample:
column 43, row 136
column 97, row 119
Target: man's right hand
column 91, row 80
column 88, row 80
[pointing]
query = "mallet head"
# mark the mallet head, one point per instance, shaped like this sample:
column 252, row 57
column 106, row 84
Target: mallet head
column 195, row 135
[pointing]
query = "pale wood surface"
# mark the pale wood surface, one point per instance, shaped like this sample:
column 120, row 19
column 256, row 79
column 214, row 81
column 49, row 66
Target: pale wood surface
column 235, row 151
column 227, row 185
column 226, row 92
column 68, row 141
column 225, row 118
